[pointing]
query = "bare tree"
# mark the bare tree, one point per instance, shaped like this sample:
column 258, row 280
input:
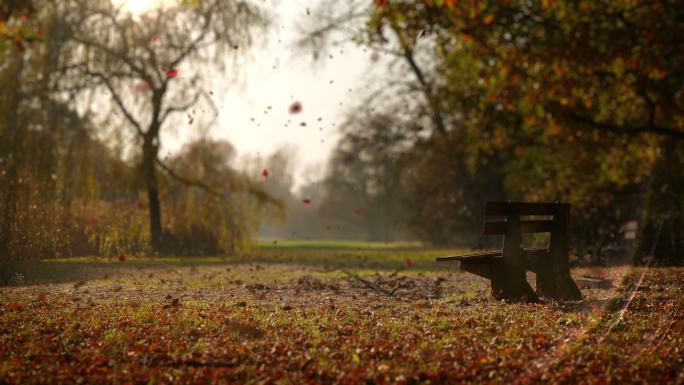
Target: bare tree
column 138, row 59
column 351, row 21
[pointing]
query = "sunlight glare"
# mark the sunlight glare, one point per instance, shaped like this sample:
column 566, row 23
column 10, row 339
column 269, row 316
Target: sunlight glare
column 138, row 7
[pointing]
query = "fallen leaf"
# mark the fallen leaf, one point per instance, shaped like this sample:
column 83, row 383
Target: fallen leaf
column 296, row 108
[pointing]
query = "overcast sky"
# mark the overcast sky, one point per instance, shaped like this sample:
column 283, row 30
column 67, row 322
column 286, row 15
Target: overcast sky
column 276, row 76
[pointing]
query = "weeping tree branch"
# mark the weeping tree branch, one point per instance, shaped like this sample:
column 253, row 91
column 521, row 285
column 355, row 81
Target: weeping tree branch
column 189, row 182
column 251, row 189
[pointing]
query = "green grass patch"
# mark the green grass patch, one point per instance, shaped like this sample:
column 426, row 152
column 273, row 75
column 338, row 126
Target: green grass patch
column 306, row 245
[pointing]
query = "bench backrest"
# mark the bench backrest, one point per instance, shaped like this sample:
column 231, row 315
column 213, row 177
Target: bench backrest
column 559, row 212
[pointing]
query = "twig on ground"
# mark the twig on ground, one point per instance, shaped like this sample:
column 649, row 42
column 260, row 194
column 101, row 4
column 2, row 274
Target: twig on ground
column 369, row 284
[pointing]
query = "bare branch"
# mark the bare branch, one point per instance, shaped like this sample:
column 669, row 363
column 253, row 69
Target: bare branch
column 437, row 118
column 182, row 108
column 193, row 45
column 117, row 99
column 619, row 129
column 117, row 25
column 137, row 69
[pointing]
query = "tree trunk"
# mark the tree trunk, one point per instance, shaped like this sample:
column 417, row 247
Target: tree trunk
column 662, row 227
column 11, row 145
column 154, row 206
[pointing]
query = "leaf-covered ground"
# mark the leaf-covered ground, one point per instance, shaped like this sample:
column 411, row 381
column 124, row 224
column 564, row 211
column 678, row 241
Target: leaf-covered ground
column 288, row 320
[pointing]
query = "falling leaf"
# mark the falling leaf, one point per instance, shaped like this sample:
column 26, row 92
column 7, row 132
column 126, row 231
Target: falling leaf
column 409, row 262
column 296, row 108
column 306, row 201
column 172, row 73
column 264, row 173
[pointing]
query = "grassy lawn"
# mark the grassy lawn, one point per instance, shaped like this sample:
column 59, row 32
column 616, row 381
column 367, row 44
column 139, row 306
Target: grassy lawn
column 291, row 314
column 334, row 245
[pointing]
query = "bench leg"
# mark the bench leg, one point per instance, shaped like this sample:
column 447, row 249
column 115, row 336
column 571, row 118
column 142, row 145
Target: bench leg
column 555, row 284
column 554, row 281
column 546, row 279
column 553, row 276
column 512, row 286
column 509, row 281
column 567, row 288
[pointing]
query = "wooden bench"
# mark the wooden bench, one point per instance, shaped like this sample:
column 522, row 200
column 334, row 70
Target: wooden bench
column 506, row 268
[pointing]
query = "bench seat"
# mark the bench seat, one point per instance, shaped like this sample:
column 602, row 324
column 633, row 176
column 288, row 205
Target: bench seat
column 493, row 254
column 484, row 263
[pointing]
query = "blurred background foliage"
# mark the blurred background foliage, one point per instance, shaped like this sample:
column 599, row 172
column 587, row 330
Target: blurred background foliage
column 575, row 101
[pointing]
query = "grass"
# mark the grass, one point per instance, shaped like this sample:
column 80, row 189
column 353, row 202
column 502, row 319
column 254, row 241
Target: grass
column 303, row 245
column 288, row 316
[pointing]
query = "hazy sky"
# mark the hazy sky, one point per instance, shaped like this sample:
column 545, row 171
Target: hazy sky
column 276, row 76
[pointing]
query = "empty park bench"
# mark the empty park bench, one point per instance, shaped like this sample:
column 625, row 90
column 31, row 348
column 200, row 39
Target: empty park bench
column 506, row 268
